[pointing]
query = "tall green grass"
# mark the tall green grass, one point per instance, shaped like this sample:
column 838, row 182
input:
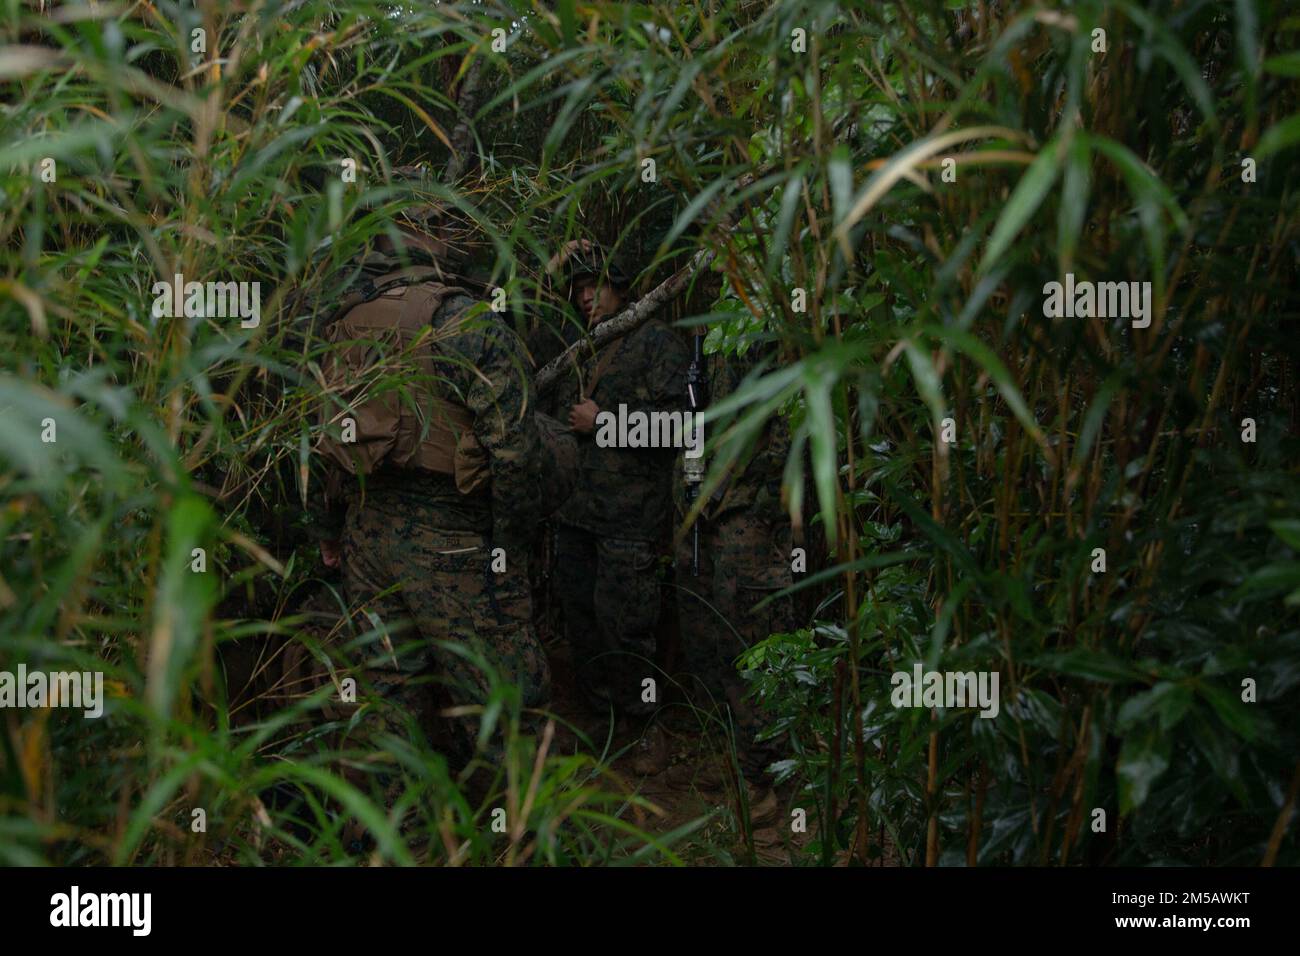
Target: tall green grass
column 819, row 169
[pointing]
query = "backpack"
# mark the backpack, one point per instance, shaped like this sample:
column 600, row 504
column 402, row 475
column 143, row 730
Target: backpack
column 387, row 331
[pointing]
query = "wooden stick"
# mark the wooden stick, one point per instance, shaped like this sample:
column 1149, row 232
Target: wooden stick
column 627, row 320
column 637, row 313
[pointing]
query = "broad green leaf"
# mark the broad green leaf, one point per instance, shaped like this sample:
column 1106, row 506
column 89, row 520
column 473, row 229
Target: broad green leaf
column 1284, row 64
column 1166, row 703
column 1288, row 530
column 1089, row 664
column 1278, row 137
column 1143, row 759
column 1228, row 705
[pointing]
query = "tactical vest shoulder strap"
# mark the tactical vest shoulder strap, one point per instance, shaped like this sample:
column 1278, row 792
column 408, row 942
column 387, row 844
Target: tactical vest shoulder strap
column 371, row 289
column 602, row 366
column 431, row 433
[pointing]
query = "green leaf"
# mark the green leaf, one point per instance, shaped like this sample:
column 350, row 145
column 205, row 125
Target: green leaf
column 1090, row 665
column 1142, row 759
column 567, row 20
column 927, row 380
column 1093, row 420
column 790, row 202
column 987, row 360
column 181, row 602
column 869, row 562
column 1144, row 185
column 1150, row 195
column 822, row 440
column 693, row 209
column 1166, row 44
column 1279, row 137
column 1167, row 702
column 932, row 529
column 1288, row 530
column 28, row 413
column 1247, row 35
column 1024, row 201
column 1284, row 64
column 1279, row 575
column 839, row 173
column 1074, row 201
column 1231, row 709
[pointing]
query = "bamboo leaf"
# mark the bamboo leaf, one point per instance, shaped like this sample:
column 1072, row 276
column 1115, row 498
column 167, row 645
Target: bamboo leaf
column 1023, row 203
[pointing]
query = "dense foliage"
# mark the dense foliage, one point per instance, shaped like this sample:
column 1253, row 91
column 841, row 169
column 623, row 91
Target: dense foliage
column 805, row 145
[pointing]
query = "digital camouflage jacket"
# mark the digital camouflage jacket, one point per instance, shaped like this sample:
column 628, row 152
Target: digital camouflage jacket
column 480, row 363
column 627, row 492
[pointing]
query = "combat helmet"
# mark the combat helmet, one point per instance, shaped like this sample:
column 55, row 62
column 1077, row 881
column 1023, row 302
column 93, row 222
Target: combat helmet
column 595, row 263
column 455, row 242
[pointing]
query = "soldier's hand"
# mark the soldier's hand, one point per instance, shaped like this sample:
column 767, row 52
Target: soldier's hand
column 331, row 553
column 582, row 417
column 568, row 249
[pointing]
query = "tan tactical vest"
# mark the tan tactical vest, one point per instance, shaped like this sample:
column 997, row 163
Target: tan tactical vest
column 402, row 422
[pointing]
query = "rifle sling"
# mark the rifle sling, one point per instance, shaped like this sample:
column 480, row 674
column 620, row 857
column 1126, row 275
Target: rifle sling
column 602, row 366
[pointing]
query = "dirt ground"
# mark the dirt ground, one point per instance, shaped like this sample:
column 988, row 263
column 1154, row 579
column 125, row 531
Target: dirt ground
column 693, row 785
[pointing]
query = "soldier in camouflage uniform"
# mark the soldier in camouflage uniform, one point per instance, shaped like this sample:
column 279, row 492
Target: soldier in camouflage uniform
column 745, row 556
column 417, row 552
column 610, row 534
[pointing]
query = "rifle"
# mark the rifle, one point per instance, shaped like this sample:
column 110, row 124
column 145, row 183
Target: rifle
column 697, row 396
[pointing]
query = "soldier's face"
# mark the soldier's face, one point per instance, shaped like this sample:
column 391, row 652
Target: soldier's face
column 597, row 302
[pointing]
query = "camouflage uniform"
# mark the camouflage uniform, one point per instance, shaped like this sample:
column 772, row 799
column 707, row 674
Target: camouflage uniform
column 417, row 553
column 745, row 545
column 609, row 535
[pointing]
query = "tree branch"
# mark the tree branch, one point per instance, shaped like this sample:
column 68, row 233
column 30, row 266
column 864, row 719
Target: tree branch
column 633, row 316
column 627, row 320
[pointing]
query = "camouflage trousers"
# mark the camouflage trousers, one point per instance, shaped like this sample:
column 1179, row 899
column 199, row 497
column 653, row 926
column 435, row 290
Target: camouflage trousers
column 437, row 617
column 744, row 558
column 609, row 593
